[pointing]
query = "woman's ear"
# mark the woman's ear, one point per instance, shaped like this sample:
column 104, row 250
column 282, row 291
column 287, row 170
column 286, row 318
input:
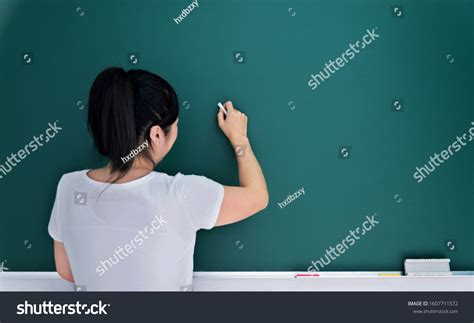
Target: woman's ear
column 156, row 133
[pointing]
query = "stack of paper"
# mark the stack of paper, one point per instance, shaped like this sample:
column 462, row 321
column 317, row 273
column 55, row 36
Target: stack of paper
column 427, row 267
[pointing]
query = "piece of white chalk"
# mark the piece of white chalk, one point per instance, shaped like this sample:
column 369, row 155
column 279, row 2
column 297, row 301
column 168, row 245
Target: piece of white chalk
column 222, row 108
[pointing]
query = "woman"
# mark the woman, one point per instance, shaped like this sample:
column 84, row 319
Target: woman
column 127, row 227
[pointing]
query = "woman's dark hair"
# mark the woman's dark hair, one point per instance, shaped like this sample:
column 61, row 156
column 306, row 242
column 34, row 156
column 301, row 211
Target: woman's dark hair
column 123, row 106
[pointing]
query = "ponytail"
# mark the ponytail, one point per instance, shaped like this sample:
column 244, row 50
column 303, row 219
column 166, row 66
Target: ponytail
column 111, row 116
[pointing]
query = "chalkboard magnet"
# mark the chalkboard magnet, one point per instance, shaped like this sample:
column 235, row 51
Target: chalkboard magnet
column 222, row 108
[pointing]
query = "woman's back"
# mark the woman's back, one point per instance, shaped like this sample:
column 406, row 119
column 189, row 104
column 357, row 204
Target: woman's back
column 140, row 233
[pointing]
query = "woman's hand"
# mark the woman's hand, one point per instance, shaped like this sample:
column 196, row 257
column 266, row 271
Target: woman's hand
column 234, row 125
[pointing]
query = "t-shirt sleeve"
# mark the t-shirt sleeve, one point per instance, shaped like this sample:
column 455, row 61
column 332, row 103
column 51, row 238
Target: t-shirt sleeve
column 202, row 200
column 54, row 226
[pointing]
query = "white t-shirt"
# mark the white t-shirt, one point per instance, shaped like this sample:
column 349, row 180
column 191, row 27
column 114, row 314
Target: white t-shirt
column 134, row 236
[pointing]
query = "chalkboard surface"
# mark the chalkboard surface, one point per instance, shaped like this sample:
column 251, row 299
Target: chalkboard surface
column 350, row 133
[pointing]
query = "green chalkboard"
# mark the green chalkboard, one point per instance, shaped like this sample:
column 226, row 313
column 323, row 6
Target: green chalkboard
column 353, row 143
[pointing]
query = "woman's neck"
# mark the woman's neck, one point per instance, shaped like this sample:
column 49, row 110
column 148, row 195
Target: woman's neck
column 139, row 169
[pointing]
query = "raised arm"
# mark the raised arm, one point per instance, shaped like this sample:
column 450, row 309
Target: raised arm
column 251, row 196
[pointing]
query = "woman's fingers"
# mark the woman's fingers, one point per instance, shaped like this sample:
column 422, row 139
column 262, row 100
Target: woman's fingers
column 229, row 106
column 220, row 118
